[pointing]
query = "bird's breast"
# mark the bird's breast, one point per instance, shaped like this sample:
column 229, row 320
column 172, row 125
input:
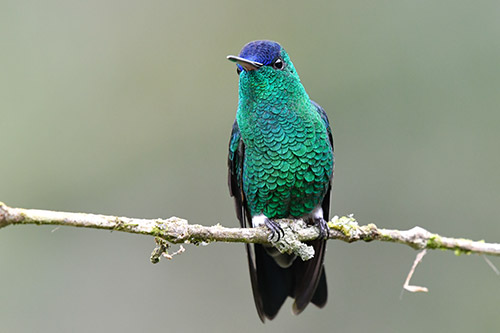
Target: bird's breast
column 287, row 167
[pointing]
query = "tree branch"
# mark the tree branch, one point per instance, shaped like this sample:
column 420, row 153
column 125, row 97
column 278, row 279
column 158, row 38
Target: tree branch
column 177, row 230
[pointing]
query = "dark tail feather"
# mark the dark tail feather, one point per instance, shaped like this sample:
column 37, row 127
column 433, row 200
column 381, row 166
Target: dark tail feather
column 304, row 280
column 274, row 283
column 310, row 280
column 321, row 294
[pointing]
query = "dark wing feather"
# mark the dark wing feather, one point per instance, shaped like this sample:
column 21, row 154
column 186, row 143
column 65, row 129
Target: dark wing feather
column 326, row 200
column 310, row 284
column 235, row 168
column 235, row 178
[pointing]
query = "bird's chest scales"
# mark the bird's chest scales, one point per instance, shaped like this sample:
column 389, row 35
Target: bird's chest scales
column 287, row 164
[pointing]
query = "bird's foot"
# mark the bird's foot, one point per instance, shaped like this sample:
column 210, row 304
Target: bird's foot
column 276, row 231
column 323, row 229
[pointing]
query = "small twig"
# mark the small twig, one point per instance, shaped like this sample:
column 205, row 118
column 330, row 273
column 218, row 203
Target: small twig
column 407, row 286
column 179, row 251
column 492, row 266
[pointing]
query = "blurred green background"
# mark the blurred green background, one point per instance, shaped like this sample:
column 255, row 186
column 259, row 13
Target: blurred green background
column 125, row 107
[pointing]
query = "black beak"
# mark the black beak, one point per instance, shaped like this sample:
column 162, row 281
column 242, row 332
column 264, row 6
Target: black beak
column 247, row 65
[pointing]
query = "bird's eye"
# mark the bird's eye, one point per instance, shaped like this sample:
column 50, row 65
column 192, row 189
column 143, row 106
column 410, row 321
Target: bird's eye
column 278, row 64
column 238, row 70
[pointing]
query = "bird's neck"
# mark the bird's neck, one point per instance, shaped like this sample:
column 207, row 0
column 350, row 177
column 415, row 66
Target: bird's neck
column 261, row 116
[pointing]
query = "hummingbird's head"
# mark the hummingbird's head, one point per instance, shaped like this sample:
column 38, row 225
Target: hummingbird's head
column 263, row 65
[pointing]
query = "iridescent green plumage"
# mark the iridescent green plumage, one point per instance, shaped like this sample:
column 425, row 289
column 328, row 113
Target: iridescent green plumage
column 288, row 159
column 281, row 166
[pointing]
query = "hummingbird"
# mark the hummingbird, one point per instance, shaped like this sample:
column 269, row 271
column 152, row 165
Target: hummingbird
column 280, row 166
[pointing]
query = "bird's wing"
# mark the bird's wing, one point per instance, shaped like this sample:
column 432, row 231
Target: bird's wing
column 235, row 169
column 311, row 281
column 326, row 201
column 235, row 182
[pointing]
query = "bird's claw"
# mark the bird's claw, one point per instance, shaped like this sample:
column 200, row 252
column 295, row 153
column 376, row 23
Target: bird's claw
column 276, row 230
column 323, row 229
